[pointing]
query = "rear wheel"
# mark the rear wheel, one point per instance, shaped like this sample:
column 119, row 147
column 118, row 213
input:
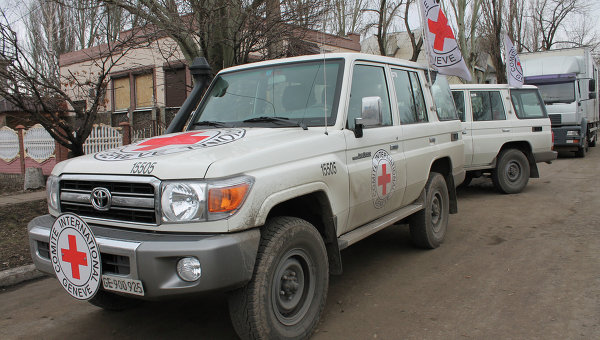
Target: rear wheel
column 428, row 226
column 512, row 172
column 582, row 150
column 287, row 293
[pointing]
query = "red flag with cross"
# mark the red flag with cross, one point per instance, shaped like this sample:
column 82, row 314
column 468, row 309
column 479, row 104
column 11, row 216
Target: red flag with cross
column 443, row 51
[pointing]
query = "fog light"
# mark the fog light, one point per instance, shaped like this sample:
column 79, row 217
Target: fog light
column 188, row 269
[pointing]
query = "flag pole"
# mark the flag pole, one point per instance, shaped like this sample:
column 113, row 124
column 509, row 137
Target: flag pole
column 425, row 42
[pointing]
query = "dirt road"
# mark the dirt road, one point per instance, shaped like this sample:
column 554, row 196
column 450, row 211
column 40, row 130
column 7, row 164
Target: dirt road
column 520, row 266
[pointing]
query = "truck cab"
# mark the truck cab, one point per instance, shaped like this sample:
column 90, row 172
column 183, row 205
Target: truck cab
column 280, row 166
column 506, row 132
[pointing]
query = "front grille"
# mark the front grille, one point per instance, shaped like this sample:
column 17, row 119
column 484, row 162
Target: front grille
column 555, row 119
column 131, row 202
column 111, row 264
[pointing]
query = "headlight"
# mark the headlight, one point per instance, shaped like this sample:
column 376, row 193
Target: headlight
column 572, row 133
column 52, row 192
column 183, row 201
column 189, row 201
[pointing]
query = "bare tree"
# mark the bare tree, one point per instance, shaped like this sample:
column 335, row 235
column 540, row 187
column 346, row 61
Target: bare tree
column 347, row 16
column 417, row 45
column 52, row 99
column 549, row 15
column 228, row 32
column 386, row 13
column 467, row 13
column 491, row 30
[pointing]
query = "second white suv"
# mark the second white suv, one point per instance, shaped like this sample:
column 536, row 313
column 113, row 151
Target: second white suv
column 506, row 132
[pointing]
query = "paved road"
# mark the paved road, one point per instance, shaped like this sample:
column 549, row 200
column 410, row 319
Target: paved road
column 521, row 266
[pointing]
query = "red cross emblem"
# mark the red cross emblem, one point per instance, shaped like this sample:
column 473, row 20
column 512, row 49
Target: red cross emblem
column 74, row 257
column 182, row 139
column 442, row 31
column 384, row 179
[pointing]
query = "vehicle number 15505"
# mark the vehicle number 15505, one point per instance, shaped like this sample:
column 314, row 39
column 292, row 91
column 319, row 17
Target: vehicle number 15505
column 328, row 169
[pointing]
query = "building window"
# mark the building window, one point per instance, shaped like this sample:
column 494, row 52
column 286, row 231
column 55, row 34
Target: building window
column 144, row 90
column 121, row 89
column 175, row 89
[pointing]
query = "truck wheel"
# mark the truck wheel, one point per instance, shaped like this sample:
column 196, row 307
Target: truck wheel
column 287, row 293
column 583, row 150
column 512, row 172
column 592, row 141
column 428, row 226
column 113, row 302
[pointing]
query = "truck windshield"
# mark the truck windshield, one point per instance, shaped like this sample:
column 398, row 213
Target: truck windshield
column 558, row 92
column 291, row 94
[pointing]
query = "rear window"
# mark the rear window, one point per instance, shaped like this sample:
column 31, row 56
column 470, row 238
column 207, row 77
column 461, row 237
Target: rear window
column 459, row 101
column 528, row 104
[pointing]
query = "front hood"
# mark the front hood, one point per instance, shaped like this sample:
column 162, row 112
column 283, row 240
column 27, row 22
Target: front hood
column 191, row 154
column 568, row 112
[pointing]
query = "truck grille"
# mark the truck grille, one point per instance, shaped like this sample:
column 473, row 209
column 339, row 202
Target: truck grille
column 555, row 119
column 129, row 202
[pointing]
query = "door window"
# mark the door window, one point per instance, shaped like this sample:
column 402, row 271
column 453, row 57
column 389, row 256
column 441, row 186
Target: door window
column 487, row 106
column 409, row 97
column 368, row 81
column 459, row 101
column 527, row 104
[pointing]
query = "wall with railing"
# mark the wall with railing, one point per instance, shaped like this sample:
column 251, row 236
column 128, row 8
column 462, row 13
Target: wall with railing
column 34, row 147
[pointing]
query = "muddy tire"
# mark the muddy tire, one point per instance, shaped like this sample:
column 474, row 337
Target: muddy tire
column 287, row 293
column 512, row 172
column 428, row 226
column 113, row 302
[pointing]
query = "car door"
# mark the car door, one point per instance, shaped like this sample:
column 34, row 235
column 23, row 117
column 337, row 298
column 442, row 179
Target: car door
column 489, row 126
column 464, row 113
column 375, row 160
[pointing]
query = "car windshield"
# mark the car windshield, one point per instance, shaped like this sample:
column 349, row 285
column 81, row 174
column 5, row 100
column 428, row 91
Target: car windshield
column 285, row 95
column 558, row 92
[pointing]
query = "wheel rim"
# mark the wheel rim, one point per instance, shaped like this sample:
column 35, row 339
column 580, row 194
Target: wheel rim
column 436, row 212
column 293, row 287
column 513, row 171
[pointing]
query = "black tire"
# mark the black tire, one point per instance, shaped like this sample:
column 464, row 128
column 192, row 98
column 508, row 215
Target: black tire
column 287, row 293
column 512, row 172
column 592, row 141
column 428, row 226
column 113, row 302
column 583, row 150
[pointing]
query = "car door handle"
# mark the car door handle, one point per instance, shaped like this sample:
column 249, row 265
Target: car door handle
column 432, row 140
column 464, row 132
column 505, row 130
column 394, row 147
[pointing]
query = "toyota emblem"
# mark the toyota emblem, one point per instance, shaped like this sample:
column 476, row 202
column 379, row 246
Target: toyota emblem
column 100, row 198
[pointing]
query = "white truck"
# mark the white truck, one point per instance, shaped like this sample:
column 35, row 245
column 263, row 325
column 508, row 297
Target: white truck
column 282, row 164
column 506, row 132
column 568, row 82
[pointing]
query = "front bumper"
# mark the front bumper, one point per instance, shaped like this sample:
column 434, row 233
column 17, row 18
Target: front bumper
column 227, row 260
column 568, row 143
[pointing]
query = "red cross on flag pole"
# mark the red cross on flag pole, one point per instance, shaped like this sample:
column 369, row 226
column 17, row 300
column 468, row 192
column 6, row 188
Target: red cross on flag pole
column 442, row 49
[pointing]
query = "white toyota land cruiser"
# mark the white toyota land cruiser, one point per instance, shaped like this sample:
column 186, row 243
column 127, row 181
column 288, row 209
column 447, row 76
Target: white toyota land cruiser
column 506, row 132
column 283, row 164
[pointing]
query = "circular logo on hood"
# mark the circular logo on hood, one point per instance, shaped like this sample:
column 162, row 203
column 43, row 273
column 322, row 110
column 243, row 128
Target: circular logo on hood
column 172, row 143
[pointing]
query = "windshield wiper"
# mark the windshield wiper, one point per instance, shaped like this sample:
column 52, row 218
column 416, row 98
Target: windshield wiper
column 276, row 119
column 211, row 123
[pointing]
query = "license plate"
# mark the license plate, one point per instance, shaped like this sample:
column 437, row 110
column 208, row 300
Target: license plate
column 122, row 285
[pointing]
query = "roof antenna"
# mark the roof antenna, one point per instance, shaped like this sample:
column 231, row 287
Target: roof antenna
column 324, row 71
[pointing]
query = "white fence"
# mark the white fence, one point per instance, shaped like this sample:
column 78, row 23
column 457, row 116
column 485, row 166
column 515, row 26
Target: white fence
column 9, row 144
column 39, row 145
column 103, row 137
column 140, row 134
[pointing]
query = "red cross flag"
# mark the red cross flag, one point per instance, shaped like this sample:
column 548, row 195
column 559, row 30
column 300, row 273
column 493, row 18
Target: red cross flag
column 513, row 64
column 444, row 54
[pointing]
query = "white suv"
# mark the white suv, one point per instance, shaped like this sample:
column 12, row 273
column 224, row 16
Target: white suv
column 506, row 132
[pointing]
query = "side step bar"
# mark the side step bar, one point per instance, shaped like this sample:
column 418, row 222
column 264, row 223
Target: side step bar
column 370, row 228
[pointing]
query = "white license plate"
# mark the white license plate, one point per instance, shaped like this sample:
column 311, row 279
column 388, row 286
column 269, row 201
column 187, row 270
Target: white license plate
column 122, row 285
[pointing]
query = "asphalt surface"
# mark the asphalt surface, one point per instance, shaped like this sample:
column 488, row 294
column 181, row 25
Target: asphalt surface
column 523, row 266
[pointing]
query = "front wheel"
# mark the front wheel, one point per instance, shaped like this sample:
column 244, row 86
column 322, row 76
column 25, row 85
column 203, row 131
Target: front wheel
column 287, row 293
column 512, row 172
column 428, row 226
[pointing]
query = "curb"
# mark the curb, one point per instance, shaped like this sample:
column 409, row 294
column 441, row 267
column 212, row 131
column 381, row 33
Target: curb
column 11, row 277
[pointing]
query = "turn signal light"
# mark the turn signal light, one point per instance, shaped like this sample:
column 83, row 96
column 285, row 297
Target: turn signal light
column 226, row 199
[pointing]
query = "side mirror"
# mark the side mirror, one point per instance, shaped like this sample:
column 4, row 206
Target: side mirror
column 592, row 86
column 371, row 111
column 358, row 127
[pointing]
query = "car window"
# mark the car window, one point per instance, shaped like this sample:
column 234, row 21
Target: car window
column 404, row 97
column 527, row 104
column 440, row 90
column 419, row 99
column 368, row 81
column 459, row 102
column 487, row 105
